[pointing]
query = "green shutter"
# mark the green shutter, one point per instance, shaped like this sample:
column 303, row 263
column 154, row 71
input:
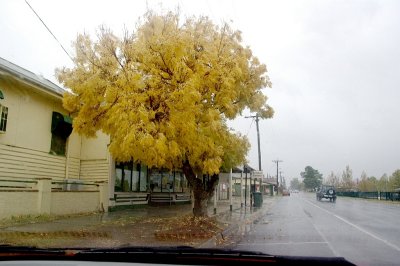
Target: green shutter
column 61, row 125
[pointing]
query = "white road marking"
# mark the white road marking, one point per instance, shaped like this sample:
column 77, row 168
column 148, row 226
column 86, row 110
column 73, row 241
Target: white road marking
column 283, row 243
column 356, row 226
column 335, row 253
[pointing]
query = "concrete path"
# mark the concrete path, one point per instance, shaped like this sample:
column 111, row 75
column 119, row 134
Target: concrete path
column 130, row 227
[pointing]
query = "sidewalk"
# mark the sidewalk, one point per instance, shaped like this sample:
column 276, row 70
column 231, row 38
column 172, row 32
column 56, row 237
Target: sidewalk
column 133, row 227
column 239, row 221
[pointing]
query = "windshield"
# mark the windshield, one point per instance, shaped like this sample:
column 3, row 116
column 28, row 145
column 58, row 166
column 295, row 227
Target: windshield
column 266, row 126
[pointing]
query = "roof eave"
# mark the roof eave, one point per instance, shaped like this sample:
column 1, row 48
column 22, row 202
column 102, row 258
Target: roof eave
column 31, row 79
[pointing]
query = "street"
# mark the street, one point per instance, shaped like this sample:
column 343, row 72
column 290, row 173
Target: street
column 362, row 231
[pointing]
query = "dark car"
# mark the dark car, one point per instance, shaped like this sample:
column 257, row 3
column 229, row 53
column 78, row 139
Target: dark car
column 327, row 192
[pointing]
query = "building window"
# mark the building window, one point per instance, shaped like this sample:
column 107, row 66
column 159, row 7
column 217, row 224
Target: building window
column 58, row 144
column 155, row 180
column 180, row 183
column 135, row 177
column 130, row 177
column 3, row 118
column 143, row 179
column 61, row 128
column 166, row 181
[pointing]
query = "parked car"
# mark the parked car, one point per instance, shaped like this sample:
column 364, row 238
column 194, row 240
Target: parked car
column 285, row 192
column 327, row 192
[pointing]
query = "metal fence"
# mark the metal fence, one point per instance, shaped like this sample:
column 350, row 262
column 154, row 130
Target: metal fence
column 370, row 195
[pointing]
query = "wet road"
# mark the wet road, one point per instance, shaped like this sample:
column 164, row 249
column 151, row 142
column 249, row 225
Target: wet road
column 364, row 232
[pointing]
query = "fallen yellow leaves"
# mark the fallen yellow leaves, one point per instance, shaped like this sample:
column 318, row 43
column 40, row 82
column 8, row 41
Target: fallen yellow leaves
column 74, row 234
column 188, row 228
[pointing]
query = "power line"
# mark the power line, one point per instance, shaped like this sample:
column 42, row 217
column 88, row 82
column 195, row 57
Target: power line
column 248, row 131
column 26, row 1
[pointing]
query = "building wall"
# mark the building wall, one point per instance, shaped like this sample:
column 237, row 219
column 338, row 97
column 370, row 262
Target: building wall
column 74, row 202
column 59, row 203
column 23, row 203
column 17, row 162
column 25, row 158
column 73, row 156
column 95, row 158
column 95, row 148
column 94, row 170
column 29, row 116
column 25, row 146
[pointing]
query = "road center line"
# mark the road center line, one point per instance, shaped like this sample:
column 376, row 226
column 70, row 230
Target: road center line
column 308, row 216
column 356, row 226
column 282, row 243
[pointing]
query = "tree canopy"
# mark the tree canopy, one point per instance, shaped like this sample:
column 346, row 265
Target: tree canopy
column 311, row 178
column 347, row 178
column 333, row 179
column 164, row 92
column 394, row 180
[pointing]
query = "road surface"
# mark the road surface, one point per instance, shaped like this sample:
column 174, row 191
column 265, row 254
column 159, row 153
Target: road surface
column 362, row 231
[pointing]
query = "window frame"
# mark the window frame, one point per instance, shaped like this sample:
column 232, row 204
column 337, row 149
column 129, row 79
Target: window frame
column 132, row 167
column 61, row 129
column 3, row 118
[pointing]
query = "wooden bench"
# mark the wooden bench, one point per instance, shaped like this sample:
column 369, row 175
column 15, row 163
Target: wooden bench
column 161, row 198
column 182, row 197
column 125, row 198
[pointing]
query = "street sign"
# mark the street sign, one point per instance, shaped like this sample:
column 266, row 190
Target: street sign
column 258, row 174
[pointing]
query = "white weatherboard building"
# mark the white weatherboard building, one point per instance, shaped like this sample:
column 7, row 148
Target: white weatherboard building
column 45, row 167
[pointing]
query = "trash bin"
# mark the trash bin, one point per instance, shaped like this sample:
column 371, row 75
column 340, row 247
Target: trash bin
column 258, row 199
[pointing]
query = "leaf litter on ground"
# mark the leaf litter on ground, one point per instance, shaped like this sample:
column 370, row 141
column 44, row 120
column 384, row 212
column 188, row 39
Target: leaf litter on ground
column 188, row 227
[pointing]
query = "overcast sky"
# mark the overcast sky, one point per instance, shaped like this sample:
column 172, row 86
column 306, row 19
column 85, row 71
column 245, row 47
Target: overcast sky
column 334, row 65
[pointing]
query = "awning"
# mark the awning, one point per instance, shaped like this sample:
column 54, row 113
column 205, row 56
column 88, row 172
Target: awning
column 61, row 124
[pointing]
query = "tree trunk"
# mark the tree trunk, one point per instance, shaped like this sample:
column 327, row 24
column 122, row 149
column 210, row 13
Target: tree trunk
column 200, row 204
column 202, row 190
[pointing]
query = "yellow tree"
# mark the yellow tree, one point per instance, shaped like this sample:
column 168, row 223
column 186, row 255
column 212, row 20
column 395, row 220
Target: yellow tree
column 164, row 93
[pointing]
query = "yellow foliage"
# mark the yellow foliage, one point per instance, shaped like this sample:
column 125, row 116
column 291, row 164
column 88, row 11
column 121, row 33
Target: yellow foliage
column 163, row 93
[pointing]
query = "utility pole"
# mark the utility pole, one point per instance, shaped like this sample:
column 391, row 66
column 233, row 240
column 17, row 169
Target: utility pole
column 258, row 139
column 277, row 171
column 245, row 185
column 230, row 190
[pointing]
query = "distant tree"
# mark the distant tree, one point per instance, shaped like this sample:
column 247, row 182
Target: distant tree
column 383, row 183
column 373, row 184
column 295, row 184
column 164, row 94
column 311, row 178
column 333, row 179
column 363, row 183
column 347, row 179
column 394, row 180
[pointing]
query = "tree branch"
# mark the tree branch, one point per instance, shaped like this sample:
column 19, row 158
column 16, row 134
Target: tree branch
column 212, row 183
column 97, row 117
column 190, row 175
